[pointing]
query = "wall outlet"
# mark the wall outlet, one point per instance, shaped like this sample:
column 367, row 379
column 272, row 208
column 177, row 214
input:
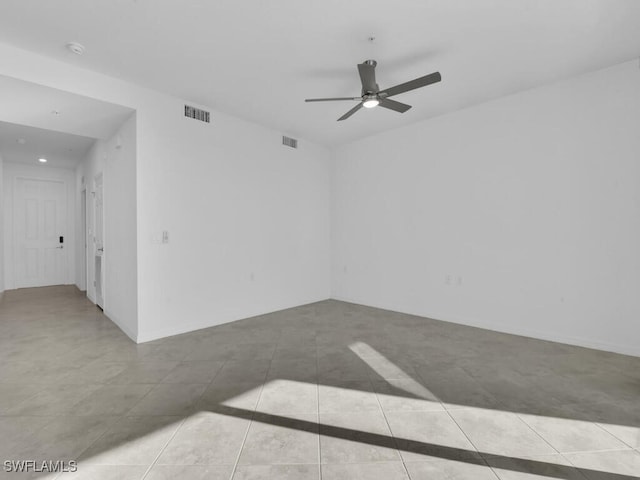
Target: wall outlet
column 448, row 279
column 459, row 281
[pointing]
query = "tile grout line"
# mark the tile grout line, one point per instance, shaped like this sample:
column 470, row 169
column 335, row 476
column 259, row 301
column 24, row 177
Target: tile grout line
column 384, row 415
column 246, row 433
column 318, row 412
column 224, row 363
column 614, row 436
column 578, row 469
column 471, row 442
column 77, row 348
column 116, row 421
column 179, row 426
column 539, row 435
column 155, row 385
column 164, row 448
column 244, row 439
column 597, row 451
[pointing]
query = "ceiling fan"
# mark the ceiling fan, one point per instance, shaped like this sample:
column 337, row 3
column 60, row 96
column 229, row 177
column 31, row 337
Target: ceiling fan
column 372, row 96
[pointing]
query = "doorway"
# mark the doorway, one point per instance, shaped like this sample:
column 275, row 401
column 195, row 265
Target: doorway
column 40, row 229
column 98, row 239
column 82, row 281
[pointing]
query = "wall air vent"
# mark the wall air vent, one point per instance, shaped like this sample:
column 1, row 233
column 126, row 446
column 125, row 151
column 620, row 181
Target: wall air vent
column 196, row 113
column 289, row 142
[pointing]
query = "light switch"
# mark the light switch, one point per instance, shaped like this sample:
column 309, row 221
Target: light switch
column 165, row 236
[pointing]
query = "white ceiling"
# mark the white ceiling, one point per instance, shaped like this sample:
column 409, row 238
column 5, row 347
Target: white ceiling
column 60, row 149
column 33, row 105
column 260, row 59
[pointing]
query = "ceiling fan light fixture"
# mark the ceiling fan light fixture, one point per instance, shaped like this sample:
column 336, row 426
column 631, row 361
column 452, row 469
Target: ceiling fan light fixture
column 370, row 103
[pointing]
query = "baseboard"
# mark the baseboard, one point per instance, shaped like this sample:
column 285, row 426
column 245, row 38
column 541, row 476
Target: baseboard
column 200, row 325
column 131, row 334
column 633, row 350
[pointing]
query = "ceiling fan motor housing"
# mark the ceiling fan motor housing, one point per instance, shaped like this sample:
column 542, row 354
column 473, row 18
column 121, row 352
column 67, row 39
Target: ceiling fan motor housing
column 373, row 63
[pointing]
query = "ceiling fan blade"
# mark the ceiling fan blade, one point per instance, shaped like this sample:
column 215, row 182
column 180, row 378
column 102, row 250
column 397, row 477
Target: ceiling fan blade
column 331, row 99
column 411, row 85
column 393, row 105
column 367, row 73
column 351, row 112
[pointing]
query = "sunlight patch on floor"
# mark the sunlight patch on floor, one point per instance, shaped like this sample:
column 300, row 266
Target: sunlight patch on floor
column 396, row 376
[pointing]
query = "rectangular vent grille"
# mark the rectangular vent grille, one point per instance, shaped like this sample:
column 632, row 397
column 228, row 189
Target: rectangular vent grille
column 289, row 142
column 196, row 113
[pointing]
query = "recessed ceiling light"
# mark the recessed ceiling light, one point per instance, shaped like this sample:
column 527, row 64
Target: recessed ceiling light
column 42, row 160
column 21, row 141
column 75, row 47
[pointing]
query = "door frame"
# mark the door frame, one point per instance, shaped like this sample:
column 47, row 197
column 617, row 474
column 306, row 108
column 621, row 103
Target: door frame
column 98, row 179
column 84, row 237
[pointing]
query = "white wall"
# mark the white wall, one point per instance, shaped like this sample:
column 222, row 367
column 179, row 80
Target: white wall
column 248, row 224
column 532, row 199
column 115, row 159
column 20, row 170
column 234, row 201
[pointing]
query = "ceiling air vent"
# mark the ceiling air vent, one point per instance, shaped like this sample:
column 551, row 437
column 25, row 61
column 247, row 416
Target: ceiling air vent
column 289, row 142
column 196, row 113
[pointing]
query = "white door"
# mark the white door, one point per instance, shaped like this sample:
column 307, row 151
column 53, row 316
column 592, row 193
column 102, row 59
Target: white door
column 40, row 225
column 99, row 241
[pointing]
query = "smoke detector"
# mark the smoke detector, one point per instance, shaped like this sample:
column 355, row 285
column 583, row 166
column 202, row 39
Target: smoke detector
column 75, row 47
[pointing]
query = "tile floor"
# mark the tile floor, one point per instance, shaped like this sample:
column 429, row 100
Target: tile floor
column 329, row 390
